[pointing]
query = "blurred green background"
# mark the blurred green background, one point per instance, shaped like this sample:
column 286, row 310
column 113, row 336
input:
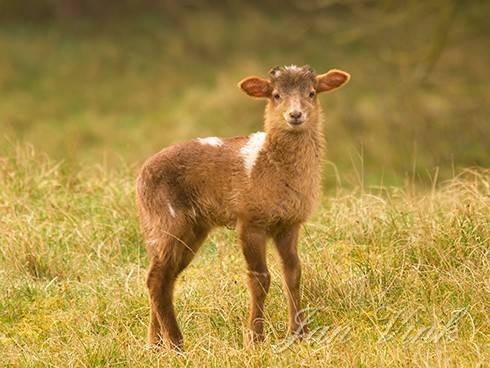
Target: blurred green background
column 103, row 82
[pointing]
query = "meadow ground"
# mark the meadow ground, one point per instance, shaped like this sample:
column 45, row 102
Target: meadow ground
column 397, row 258
column 392, row 277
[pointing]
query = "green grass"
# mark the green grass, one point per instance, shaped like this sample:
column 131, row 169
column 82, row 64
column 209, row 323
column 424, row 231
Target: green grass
column 93, row 91
column 72, row 276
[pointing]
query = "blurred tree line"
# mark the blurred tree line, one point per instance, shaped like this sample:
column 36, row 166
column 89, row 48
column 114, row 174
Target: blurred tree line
column 62, row 10
column 71, row 9
column 83, row 77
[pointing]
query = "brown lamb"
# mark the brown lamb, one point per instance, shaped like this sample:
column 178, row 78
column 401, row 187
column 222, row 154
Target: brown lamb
column 266, row 185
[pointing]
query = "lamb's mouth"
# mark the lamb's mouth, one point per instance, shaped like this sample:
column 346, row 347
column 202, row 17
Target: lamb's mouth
column 295, row 121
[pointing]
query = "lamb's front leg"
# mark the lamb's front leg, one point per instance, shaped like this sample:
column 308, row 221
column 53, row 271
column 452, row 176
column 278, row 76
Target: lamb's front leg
column 286, row 241
column 253, row 241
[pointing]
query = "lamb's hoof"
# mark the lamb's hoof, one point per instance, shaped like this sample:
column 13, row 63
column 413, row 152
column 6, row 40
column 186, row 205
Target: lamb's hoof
column 152, row 347
column 178, row 347
column 300, row 332
column 252, row 338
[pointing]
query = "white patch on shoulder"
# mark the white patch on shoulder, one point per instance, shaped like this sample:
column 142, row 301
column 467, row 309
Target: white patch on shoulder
column 251, row 150
column 171, row 210
column 211, row 141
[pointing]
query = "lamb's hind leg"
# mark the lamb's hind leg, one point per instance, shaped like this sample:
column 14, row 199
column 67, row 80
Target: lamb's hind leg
column 171, row 253
column 163, row 324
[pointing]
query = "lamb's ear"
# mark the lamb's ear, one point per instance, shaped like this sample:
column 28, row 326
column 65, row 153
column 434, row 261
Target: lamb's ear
column 256, row 87
column 332, row 79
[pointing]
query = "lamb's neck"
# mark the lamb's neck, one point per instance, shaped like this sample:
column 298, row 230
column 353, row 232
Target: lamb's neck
column 295, row 152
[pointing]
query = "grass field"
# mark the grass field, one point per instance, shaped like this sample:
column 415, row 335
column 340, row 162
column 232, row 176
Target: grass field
column 396, row 262
column 411, row 267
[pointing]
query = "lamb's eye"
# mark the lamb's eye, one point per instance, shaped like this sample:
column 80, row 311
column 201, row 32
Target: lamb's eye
column 312, row 94
column 277, row 96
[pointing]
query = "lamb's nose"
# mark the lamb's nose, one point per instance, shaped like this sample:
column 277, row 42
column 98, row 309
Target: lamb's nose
column 295, row 114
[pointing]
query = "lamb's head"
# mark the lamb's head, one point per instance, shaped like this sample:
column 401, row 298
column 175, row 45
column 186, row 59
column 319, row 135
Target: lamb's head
column 292, row 94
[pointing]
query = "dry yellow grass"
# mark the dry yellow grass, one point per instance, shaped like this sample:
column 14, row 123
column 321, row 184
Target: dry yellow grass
column 391, row 277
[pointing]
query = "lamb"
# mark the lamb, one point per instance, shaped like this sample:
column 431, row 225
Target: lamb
column 265, row 185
